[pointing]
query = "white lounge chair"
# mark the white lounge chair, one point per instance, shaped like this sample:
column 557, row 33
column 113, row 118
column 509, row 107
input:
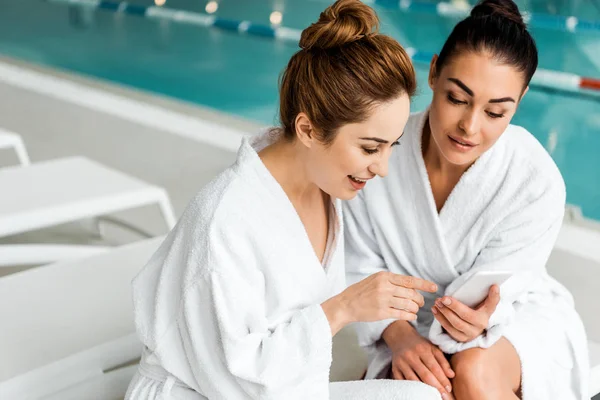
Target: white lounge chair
column 68, row 327
column 10, row 140
column 65, row 190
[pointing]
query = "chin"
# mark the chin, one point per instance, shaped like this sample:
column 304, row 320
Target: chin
column 459, row 159
column 348, row 195
column 345, row 194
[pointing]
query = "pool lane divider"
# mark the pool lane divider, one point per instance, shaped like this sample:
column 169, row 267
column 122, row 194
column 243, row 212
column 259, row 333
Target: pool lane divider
column 543, row 78
column 462, row 10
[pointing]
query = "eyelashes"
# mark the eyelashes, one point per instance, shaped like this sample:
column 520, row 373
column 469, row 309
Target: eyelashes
column 455, row 101
column 376, row 150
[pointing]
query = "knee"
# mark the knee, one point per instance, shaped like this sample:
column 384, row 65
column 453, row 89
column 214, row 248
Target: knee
column 474, row 373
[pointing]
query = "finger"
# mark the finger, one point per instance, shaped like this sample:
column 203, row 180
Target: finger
column 412, row 282
column 456, row 334
column 407, row 371
column 396, row 373
column 404, row 304
column 465, row 312
column 457, row 322
column 436, row 369
column 441, row 359
column 412, row 294
column 426, row 376
column 492, row 300
column 400, row 314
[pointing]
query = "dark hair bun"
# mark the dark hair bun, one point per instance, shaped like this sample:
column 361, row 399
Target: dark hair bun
column 345, row 21
column 506, row 9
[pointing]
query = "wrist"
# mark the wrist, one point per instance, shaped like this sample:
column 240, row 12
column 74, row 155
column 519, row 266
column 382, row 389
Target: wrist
column 396, row 331
column 337, row 313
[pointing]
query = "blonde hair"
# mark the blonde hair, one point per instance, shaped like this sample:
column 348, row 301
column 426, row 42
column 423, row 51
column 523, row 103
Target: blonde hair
column 345, row 67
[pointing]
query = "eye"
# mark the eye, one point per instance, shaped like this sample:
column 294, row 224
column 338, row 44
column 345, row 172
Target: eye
column 370, row 151
column 454, row 100
column 396, row 143
column 494, row 115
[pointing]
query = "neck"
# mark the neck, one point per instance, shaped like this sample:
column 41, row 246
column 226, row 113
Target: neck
column 287, row 162
column 435, row 160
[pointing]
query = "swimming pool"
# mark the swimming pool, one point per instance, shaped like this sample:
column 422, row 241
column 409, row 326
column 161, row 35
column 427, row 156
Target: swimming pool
column 238, row 73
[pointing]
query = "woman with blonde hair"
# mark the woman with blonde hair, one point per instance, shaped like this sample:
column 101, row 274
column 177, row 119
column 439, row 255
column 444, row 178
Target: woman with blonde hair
column 243, row 297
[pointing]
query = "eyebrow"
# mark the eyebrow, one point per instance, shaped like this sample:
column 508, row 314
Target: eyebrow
column 470, row 92
column 375, row 139
column 379, row 140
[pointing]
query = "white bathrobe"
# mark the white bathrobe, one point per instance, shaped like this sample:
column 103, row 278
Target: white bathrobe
column 504, row 214
column 229, row 306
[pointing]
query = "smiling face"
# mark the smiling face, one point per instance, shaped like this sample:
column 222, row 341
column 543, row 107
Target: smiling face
column 360, row 151
column 474, row 99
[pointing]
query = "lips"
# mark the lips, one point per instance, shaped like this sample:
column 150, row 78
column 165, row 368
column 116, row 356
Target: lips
column 358, row 180
column 462, row 141
column 357, row 183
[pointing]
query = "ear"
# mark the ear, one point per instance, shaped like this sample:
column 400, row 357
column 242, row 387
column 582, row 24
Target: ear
column 304, row 130
column 432, row 72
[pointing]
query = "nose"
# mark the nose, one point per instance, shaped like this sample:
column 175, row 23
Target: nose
column 380, row 167
column 469, row 123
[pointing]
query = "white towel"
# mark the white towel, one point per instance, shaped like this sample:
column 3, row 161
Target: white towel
column 382, row 389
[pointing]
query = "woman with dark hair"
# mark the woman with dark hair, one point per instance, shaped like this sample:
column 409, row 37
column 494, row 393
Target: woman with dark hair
column 243, row 297
column 468, row 192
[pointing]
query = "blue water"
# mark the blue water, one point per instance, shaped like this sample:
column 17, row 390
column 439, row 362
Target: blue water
column 238, row 74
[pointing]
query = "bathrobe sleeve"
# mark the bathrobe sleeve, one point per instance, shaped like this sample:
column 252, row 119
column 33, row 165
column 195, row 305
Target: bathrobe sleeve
column 363, row 258
column 521, row 242
column 225, row 326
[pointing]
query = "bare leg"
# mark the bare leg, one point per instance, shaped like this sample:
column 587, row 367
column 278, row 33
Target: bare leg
column 493, row 373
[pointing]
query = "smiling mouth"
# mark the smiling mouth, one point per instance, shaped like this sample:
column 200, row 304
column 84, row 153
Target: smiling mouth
column 357, row 180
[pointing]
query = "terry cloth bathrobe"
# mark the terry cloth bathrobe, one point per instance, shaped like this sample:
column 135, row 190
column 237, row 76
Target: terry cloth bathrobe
column 229, row 306
column 504, row 214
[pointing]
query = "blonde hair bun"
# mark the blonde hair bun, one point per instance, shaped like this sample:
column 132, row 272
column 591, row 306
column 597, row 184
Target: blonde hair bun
column 345, row 21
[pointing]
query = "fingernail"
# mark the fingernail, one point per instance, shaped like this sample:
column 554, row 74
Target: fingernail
column 434, row 287
column 447, row 301
column 445, row 396
column 434, row 310
column 448, row 388
column 439, row 304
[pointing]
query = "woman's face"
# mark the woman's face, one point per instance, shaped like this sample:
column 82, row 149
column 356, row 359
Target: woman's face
column 474, row 99
column 360, row 151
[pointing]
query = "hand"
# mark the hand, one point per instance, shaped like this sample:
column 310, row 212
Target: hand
column 461, row 322
column 380, row 296
column 385, row 295
column 415, row 358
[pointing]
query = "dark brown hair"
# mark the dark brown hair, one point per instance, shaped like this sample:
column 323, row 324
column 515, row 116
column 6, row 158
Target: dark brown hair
column 344, row 69
column 495, row 26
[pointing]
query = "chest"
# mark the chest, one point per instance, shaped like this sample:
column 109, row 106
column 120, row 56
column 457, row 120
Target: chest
column 316, row 223
column 441, row 187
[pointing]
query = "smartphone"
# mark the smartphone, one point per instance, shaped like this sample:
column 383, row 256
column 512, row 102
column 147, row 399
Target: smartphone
column 477, row 287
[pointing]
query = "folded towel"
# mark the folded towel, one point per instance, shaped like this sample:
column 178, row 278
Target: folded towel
column 382, row 389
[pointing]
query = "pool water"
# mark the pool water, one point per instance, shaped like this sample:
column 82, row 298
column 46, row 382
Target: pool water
column 238, row 73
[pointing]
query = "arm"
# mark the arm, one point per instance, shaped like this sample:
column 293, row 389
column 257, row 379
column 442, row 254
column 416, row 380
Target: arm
column 233, row 344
